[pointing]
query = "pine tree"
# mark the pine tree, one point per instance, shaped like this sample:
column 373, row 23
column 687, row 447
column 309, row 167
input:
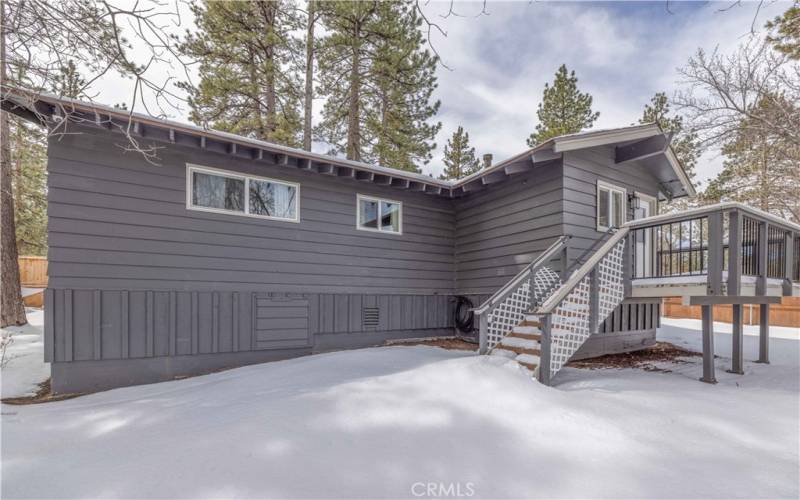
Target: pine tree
column 760, row 169
column 459, row 157
column 249, row 81
column 29, row 180
column 378, row 82
column 563, row 110
column 69, row 82
column 786, row 31
column 685, row 142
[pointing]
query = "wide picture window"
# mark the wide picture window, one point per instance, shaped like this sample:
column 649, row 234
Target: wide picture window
column 375, row 214
column 219, row 191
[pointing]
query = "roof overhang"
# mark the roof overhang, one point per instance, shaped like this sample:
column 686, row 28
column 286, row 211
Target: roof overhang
column 644, row 143
column 57, row 112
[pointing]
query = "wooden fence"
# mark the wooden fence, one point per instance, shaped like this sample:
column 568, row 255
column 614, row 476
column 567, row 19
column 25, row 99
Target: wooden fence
column 787, row 313
column 33, row 271
column 33, row 274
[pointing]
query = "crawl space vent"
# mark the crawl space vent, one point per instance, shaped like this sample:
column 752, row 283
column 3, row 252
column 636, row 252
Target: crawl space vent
column 371, row 317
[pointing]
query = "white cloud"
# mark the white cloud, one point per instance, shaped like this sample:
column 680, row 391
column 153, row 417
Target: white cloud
column 622, row 52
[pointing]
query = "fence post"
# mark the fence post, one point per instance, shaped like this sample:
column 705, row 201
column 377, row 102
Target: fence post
column 483, row 332
column 546, row 345
column 714, row 280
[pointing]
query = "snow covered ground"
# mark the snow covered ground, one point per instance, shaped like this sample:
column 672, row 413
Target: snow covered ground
column 25, row 368
column 406, row 422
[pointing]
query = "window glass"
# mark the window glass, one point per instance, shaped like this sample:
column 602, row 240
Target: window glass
column 618, row 208
column 390, row 217
column 369, row 214
column 216, row 191
column 603, row 207
column 272, row 199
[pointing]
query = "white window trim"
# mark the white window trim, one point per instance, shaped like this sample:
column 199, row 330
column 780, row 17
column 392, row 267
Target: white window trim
column 648, row 198
column 611, row 188
column 190, row 168
column 360, row 197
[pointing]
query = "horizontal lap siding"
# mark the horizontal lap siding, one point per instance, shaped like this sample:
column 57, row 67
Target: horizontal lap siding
column 501, row 229
column 116, row 221
column 631, row 324
column 582, row 170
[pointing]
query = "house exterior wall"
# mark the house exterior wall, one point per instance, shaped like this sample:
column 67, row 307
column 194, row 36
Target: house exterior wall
column 630, row 326
column 142, row 288
column 502, row 228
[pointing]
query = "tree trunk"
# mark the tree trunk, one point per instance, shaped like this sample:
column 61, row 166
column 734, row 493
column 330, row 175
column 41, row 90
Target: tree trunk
column 309, row 93
column 353, row 117
column 12, row 311
column 272, row 111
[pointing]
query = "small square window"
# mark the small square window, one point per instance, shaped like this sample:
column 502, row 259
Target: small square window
column 375, row 214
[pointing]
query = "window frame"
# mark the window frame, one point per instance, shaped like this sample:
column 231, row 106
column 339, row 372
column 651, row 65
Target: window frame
column 366, row 197
column 191, row 168
column 611, row 188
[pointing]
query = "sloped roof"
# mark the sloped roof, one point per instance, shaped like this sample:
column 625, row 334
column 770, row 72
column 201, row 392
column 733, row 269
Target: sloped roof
column 50, row 109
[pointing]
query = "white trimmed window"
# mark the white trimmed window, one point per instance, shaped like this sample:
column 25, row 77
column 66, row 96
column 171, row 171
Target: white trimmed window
column 213, row 190
column 611, row 203
column 376, row 214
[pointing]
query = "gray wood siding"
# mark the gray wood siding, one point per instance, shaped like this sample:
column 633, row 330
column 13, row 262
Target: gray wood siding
column 117, row 222
column 582, row 170
column 93, row 325
column 502, row 228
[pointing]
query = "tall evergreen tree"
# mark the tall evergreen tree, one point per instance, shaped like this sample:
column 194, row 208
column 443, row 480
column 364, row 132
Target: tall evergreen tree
column 563, row 110
column 786, row 31
column 760, row 169
column 378, row 81
column 249, row 78
column 684, row 141
column 459, row 157
column 29, row 179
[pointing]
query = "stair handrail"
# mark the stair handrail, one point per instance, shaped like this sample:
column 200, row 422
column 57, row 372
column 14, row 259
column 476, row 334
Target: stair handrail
column 501, row 294
column 552, row 302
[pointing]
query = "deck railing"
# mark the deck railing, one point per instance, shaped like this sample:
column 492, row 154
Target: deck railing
column 504, row 310
column 702, row 241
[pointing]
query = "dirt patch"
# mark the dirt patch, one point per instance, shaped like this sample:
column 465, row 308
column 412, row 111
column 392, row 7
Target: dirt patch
column 43, row 395
column 644, row 359
column 451, row 343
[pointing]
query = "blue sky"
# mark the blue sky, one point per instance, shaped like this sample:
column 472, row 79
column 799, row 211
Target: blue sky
column 622, row 53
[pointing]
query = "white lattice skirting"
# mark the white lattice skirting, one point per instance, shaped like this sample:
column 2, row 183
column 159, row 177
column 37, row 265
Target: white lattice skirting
column 509, row 313
column 569, row 323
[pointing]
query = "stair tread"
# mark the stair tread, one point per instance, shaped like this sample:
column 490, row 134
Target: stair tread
column 529, row 336
column 520, row 342
column 526, row 329
column 528, row 359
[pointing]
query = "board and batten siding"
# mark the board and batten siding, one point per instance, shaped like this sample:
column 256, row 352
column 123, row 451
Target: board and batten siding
column 142, row 288
column 501, row 229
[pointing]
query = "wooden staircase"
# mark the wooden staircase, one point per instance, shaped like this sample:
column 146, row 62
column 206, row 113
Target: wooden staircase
column 523, row 344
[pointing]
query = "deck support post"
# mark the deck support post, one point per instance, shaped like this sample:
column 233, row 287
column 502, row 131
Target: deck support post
column 544, row 357
column 788, row 245
column 483, row 333
column 708, row 345
column 737, row 354
column 763, row 334
column 715, row 253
